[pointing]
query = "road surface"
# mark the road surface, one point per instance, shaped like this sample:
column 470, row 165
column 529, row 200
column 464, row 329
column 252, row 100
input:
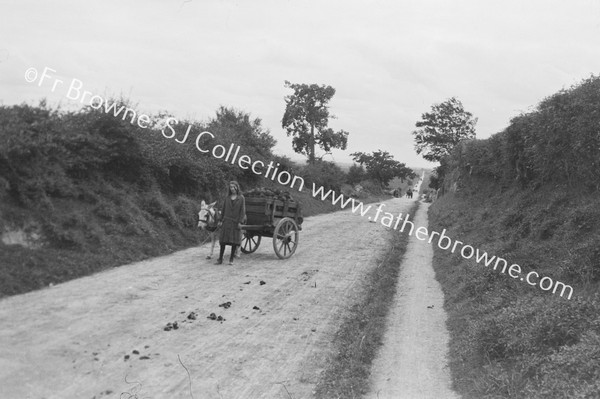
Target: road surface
column 103, row 336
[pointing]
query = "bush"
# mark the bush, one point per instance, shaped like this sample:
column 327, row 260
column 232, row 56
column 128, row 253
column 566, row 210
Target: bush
column 187, row 211
column 371, row 187
column 323, row 173
column 156, row 205
column 63, row 238
column 356, row 174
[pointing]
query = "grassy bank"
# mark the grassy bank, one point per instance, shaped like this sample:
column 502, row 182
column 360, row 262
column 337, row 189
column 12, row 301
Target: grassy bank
column 361, row 333
column 510, row 339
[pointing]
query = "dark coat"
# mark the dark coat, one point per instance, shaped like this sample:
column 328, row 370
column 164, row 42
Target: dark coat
column 232, row 214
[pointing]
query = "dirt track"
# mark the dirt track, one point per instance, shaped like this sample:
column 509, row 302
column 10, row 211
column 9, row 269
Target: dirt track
column 71, row 340
column 412, row 363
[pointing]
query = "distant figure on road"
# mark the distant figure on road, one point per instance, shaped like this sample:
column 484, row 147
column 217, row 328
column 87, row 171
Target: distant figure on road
column 409, row 193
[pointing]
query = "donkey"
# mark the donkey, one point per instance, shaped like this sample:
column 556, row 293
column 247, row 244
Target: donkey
column 208, row 220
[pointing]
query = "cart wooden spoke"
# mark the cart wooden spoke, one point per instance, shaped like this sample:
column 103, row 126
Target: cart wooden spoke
column 285, row 238
column 250, row 242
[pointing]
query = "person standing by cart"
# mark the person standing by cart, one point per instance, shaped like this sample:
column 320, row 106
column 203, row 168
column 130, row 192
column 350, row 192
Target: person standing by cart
column 233, row 214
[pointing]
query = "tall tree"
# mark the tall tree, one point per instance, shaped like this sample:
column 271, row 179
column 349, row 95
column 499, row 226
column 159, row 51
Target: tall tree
column 306, row 118
column 382, row 167
column 441, row 129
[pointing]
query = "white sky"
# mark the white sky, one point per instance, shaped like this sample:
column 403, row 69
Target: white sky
column 388, row 60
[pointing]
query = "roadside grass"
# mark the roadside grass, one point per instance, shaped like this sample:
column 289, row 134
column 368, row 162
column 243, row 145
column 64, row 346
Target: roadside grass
column 510, row 339
column 361, row 333
column 79, row 238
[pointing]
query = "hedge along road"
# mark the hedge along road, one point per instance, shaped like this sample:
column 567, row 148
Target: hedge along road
column 103, row 335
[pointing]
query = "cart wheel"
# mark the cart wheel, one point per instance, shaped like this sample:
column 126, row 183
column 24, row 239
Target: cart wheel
column 285, row 238
column 250, row 242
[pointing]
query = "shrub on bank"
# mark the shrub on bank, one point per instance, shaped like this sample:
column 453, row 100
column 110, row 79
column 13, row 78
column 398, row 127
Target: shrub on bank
column 323, row 173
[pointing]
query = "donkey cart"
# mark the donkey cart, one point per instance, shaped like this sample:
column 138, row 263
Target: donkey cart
column 272, row 217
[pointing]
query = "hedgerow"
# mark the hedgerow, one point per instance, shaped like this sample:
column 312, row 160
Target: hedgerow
column 557, row 142
column 99, row 191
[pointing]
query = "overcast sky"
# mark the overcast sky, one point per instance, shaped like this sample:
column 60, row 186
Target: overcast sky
column 389, row 61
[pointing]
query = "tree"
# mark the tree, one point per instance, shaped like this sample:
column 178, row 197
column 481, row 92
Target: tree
column 382, row 167
column 236, row 126
column 436, row 178
column 239, row 127
column 306, row 118
column 441, row 129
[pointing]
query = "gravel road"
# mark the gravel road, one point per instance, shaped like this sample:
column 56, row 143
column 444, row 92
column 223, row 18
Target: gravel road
column 104, row 335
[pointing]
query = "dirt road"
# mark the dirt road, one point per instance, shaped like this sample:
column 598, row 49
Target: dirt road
column 412, row 362
column 85, row 338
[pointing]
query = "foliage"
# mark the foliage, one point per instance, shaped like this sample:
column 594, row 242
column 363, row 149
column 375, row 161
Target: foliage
column 101, row 191
column 557, row 142
column 382, row 167
column 356, row 174
column 436, row 178
column 442, row 129
column 324, row 173
column 285, row 163
column 235, row 126
column 306, row 118
column 181, row 168
column 541, row 177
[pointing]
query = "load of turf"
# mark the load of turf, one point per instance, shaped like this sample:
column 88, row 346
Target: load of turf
column 269, row 192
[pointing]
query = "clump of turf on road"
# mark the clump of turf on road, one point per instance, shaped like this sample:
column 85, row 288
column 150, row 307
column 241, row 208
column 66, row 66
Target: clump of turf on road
column 361, row 333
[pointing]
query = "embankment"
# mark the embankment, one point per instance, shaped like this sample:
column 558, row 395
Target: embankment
column 504, row 196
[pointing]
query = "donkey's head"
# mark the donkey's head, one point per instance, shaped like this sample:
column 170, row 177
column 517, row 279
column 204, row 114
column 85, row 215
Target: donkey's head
column 207, row 217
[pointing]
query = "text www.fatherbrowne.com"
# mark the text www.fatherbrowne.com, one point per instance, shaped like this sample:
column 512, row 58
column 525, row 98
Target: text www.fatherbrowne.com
column 444, row 242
